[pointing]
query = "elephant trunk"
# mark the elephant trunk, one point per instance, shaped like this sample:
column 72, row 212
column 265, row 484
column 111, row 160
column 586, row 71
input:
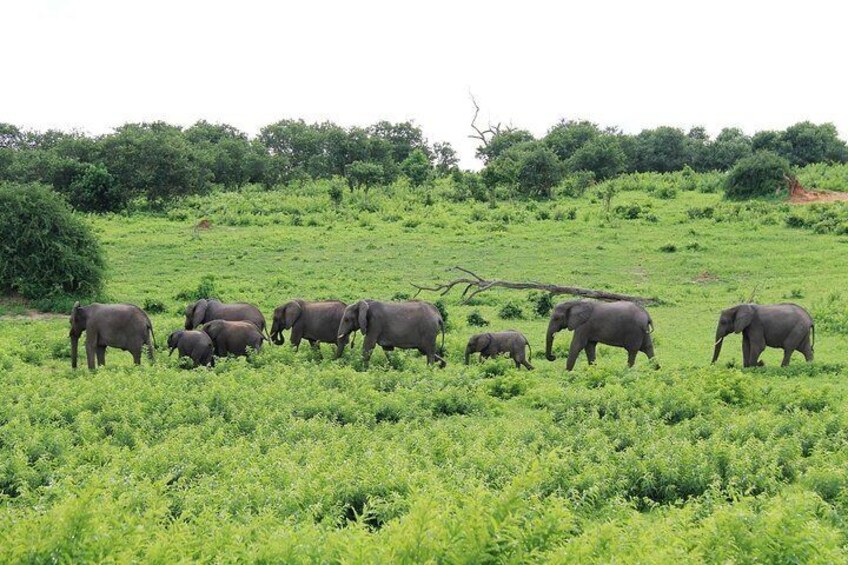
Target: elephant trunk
column 718, row 343
column 553, row 328
column 74, row 350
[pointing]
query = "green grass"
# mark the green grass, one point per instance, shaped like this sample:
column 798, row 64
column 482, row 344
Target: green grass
column 289, row 457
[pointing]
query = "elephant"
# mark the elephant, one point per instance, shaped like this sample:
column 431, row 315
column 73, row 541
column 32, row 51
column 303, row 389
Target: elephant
column 233, row 338
column 123, row 326
column 406, row 325
column 492, row 344
column 194, row 344
column 621, row 324
column 205, row 310
column 785, row 326
column 317, row 322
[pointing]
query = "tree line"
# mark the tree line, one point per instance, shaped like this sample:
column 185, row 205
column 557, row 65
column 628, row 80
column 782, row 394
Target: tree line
column 157, row 162
column 514, row 157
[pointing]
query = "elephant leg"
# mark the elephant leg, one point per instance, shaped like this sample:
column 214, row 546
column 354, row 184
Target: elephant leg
column 90, row 352
column 577, row 345
column 136, row 355
column 101, row 355
column 746, row 350
column 787, row 355
column 521, row 360
column 755, row 350
column 368, row 346
column 590, row 351
column 631, row 356
column 806, row 348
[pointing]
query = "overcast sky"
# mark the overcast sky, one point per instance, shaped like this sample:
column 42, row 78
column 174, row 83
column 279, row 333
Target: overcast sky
column 92, row 65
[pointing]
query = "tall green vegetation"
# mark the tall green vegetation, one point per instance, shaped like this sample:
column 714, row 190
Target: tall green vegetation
column 47, row 252
column 761, row 174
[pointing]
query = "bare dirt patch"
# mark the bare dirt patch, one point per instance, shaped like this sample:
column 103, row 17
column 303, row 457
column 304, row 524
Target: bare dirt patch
column 203, row 224
column 800, row 195
column 704, row 277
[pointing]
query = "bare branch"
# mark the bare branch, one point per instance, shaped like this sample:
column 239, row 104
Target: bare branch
column 481, row 285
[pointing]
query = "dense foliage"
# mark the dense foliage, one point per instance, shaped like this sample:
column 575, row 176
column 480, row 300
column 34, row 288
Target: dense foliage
column 158, row 162
column 761, row 174
column 45, row 250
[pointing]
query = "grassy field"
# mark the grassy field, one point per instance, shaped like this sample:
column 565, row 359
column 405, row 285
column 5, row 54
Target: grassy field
column 290, row 457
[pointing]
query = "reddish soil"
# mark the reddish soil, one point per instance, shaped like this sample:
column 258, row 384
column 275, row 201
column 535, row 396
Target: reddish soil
column 203, row 224
column 705, row 277
column 800, row 195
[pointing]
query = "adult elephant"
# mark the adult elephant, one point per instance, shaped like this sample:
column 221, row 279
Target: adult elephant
column 316, row 322
column 620, row 324
column 122, row 326
column 785, row 326
column 403, row 325
column 233, row 338
column 205, row 310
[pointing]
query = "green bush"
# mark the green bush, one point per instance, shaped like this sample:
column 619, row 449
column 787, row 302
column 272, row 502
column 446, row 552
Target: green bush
column 95, row 190
column 476, row 319
column 46, row 250
column 761, row 174
column 511, row 311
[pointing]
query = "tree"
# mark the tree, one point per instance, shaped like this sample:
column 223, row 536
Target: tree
column 602, row 155
column 417, row 167
column 729, row 146
column 445, row 157
column 760, row 174
column 404, row 138
column 93, row 189
column 364, row 174
column 769, row 141
column 662, row 150
column 566, row 137
column 539, row 171
column 153, row 160
column 501, row 142
column 810, row 143
column 47, row 251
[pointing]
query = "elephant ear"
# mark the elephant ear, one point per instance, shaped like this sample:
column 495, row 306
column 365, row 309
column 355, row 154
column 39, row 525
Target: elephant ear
column 199, row 312
column 363, row 317
column 744, row 317
column 487, row 342
column 293, row 312
column 579, row 314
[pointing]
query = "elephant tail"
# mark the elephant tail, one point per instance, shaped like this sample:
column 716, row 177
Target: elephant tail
column 442, row 348
column 813, row 331
column 530, row 348
column 152, row 335
column 650, row 325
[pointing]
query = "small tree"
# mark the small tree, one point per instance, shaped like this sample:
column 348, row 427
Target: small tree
column 95, row 190
column 538, row 172
column 416, row 167
column 364, row 173
column 47, row 251
column 602, row 155
column 761, row 174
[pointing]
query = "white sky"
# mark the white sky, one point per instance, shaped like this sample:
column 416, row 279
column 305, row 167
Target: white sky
column 93, row 65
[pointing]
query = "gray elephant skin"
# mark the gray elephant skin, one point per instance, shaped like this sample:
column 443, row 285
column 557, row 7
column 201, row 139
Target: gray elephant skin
column 205, row 310
column 620, row 324
column 233, row 338
column 196, row 345
column 404, row 325
column 491, row 344
column 785, row 326
column 122, row 326
column 316, row 322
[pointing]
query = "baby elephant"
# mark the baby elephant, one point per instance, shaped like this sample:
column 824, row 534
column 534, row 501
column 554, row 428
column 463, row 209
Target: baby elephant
column 492, row 344
column 194, row 344
column 233, row 338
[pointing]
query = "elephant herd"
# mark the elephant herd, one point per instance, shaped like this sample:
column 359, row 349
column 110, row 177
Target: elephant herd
column 215, row 329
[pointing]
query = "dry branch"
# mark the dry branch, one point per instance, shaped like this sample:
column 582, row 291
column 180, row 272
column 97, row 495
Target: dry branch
column 482, row 285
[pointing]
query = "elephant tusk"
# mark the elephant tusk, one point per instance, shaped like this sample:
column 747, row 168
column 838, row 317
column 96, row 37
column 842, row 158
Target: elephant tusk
column 341, row 336
column 718, row 341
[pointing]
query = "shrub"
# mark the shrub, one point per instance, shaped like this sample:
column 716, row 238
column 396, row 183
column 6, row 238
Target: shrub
column 443, row 310
column 153, row 306
column 761, row 174
column 511, row 311
column 205, row 289
column 95, row 190
column 476, row 319
column 47, row 251
column 543, row 302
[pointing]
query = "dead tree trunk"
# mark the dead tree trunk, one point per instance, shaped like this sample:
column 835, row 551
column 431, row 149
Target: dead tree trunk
column 482, row 285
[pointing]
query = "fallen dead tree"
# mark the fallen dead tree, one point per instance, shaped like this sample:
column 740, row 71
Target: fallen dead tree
column 481, row 285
